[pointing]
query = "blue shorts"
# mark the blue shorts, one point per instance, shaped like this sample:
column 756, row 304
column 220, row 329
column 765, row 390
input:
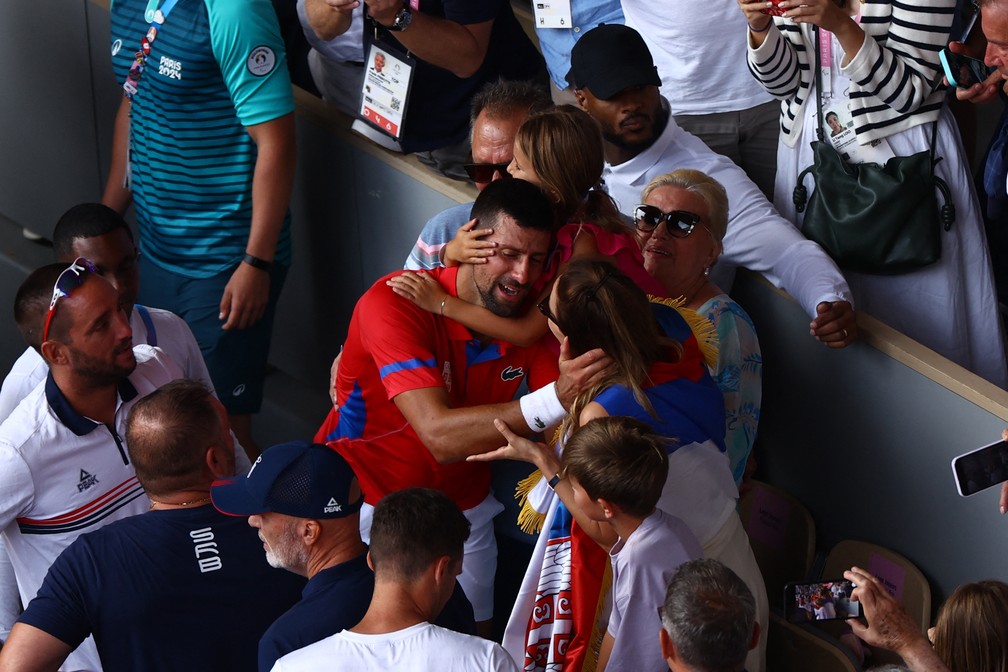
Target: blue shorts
column 236, row 359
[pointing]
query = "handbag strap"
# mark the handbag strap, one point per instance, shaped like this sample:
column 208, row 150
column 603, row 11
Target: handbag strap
column 818, row 92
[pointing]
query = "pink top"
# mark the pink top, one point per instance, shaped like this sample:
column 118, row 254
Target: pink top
column 622, row 247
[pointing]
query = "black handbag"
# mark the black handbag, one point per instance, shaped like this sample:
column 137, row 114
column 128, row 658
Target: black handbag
column 871, row 218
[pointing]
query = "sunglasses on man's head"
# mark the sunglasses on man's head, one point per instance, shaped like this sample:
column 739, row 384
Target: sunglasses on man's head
column 69, row 280
column 680, row 223
column 484, row 172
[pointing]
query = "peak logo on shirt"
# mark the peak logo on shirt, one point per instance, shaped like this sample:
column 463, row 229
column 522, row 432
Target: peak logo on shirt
column 86, row 481
column 511, row 373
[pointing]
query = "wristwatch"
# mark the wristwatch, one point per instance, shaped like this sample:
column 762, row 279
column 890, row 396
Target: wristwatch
column 403, row 18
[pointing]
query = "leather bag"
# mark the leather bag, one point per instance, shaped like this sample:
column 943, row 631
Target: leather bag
column 871, row 218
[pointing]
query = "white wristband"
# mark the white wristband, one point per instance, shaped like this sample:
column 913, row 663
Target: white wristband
column 542, row 408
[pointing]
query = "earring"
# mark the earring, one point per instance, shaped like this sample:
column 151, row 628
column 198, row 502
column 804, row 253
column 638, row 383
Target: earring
column 706, row 271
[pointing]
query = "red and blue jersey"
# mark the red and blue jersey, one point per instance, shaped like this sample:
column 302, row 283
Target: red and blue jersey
column 393, row 346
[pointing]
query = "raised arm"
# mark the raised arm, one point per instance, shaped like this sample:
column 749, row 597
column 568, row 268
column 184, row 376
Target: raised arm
column 427, row 293
column 456, row 47
column 330, row 18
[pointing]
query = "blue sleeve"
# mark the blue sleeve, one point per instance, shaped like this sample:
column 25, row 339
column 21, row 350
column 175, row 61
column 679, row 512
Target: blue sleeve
column 246, row 42
column 438, row 231
column 61, row 606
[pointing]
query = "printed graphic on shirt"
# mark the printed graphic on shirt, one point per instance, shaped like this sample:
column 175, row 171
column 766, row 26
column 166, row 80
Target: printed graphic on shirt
column 204, row 545
column 261, row 61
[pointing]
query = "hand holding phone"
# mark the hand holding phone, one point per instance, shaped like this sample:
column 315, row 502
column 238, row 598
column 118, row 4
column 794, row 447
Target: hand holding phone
column 981, row 468
column 774, row 8
column 963, row 71
column 820, row 601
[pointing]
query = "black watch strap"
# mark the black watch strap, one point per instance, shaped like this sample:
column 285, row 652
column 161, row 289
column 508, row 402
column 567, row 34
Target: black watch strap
column 256, row 262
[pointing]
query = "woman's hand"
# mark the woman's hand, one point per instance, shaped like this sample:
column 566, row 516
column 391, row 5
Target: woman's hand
column 823, row 13
column 756, row 17
column 468, row 246
column 420, row 288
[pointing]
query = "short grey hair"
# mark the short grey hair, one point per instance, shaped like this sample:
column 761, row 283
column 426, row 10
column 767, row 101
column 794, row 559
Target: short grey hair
column 709, row 614
column 505, row 98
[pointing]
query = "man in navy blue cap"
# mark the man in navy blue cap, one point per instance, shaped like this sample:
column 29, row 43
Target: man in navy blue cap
column 304, row 499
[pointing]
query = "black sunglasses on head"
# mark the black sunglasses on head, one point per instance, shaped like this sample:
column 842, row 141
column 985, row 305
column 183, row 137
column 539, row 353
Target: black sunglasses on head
column 680, row 223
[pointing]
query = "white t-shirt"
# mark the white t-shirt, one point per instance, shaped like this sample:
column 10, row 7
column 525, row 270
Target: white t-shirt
column 700, row 53
column 642, row 565
column 422, row 647
column 758, row 238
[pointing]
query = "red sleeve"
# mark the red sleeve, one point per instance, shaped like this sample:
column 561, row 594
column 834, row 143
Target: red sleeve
column 402, row 340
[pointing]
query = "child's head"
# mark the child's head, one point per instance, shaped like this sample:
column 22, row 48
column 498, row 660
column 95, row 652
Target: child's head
column 620, row 460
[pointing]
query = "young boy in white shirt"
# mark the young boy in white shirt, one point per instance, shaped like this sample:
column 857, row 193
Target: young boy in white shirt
column 617, row 468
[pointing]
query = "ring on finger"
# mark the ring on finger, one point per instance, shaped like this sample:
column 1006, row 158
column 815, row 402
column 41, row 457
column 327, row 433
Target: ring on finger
column 844, row 336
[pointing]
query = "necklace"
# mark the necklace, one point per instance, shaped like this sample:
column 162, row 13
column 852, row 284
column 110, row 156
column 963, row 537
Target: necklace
column 194, row 502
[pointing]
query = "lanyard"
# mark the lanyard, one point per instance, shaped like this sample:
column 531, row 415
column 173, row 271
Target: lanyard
column 826, row 61
column 156, row 18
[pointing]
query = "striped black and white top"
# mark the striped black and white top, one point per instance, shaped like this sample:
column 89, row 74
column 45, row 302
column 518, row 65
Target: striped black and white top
column 891, row 76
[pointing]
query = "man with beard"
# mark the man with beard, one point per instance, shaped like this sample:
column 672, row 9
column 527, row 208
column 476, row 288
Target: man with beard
column 179, row 587
column 64, row 469
column 304, row 500
column 417, row 392
column 616, row 82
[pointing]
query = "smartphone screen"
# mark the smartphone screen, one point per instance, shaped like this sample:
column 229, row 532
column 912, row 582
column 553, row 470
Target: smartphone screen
column 981, row 469
column 963, row 71
column 822, row 601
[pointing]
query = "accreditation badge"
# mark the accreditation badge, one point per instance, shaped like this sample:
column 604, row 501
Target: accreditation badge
column 387, row 79
column 552, row 13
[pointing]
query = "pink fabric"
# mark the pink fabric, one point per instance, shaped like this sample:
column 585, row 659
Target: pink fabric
column 621, row 247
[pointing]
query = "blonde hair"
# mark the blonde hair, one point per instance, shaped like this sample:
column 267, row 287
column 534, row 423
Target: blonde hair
column 971, row 633
column 703, row 185
column 565, row 150
column 598, row 306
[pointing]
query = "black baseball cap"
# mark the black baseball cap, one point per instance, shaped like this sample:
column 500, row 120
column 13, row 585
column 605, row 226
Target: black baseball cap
column 301, row 479
column 610, row 58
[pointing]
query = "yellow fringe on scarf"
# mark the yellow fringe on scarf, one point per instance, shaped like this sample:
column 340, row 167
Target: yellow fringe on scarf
column 701, row 327
column 529, row 520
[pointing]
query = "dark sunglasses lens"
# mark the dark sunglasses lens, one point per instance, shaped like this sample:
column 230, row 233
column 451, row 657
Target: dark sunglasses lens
column 484, row 172
column 685, row 222
column 647, row 217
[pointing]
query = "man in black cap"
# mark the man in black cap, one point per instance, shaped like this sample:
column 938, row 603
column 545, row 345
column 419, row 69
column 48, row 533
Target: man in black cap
column 179, row 587
column 616, row 82
column 305, row 501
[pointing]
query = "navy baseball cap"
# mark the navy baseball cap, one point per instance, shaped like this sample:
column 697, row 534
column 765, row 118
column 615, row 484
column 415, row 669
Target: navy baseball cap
column 610, row 58
column 301, row 479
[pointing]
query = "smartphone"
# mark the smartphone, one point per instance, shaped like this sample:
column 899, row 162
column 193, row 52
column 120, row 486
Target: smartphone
column 963, row 71
column 981, row 468
column 821, row 601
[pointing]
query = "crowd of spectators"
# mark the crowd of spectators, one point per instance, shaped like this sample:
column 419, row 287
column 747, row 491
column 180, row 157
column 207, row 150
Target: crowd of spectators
column 577, row 312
